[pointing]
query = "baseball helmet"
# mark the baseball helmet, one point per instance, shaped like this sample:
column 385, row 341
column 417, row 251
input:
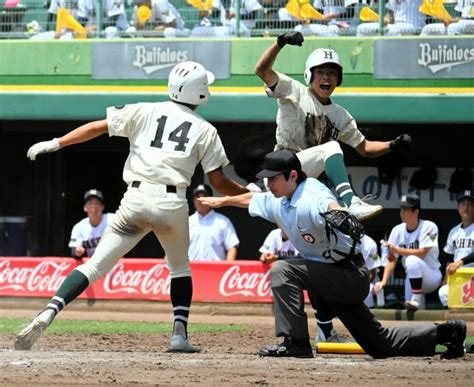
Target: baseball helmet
column 319, row 57
column 189, row 82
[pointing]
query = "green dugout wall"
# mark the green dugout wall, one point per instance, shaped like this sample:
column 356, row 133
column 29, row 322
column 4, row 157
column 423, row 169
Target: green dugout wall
column 52, row 80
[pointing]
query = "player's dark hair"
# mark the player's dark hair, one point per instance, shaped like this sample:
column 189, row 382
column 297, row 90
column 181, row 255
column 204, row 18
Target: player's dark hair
column 301, row 176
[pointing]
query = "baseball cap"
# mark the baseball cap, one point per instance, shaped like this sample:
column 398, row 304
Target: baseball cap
column 94, row 193
column 410, row 201
column 466, row 194
column 279, row 161
column 203, row 188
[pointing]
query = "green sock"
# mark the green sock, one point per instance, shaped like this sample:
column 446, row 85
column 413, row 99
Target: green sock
column 337, row 175
column 74, row 284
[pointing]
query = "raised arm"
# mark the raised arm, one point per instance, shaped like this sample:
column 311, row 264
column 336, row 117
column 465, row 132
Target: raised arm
column 264, row 66
column 81, row 134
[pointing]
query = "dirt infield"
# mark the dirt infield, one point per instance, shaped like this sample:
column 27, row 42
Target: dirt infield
column 225, row 358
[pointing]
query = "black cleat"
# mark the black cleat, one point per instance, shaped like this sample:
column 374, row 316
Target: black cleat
column 456, row 346
column 289, row 348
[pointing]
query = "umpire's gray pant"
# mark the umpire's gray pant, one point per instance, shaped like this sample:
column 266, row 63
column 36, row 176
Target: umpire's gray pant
column 341, row 290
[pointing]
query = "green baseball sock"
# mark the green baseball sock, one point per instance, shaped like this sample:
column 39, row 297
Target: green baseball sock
column 337, row 175
column 74, row 284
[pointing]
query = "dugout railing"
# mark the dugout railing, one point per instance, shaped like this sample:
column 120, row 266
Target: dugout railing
column 25, row 19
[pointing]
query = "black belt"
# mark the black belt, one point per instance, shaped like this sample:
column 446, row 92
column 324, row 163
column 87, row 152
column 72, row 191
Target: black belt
column 169, row 188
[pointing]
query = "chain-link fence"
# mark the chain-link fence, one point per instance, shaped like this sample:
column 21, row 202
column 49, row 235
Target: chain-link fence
column 69, row 19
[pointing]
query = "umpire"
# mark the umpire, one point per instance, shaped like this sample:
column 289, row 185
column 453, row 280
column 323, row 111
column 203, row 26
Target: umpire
column 332, row 268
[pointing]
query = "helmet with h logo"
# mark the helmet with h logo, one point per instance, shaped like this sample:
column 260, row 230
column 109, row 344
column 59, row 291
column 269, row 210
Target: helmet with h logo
column 319, row 57
column 189, row 82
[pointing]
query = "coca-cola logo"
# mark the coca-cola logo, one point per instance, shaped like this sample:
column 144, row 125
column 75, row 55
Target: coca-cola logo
column 155, row 280
column 233, row 282
column 47, row 276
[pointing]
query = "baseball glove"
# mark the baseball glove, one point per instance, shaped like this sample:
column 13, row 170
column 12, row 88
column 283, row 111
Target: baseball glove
column 345, row 223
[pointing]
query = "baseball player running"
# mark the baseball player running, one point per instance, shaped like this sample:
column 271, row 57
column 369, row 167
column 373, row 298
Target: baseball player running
column 308, row 122
column 167, row 141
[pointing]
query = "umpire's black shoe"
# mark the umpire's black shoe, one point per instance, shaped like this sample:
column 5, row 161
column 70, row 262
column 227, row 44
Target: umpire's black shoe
column 289, row 348
column 456, row 346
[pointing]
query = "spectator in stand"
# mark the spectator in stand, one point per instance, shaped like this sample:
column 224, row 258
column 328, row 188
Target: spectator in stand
column 211, row 22
column 164, row 17
column 212, row 235
column 460, row 243
column 248, row 14
column 114, row 19
column 84, row 13
column 415, row 240
column 402, row 18
column 86, row 234
column 464, row 23
column 331, row 24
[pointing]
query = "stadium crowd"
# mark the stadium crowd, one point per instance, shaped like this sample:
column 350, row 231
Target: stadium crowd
column 69, row 19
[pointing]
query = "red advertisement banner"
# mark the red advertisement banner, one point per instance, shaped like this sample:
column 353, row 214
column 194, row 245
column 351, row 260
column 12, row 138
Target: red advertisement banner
column 146, row 279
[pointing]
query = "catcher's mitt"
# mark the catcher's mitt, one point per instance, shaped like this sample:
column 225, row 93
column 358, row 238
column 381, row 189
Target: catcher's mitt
column 344, row 222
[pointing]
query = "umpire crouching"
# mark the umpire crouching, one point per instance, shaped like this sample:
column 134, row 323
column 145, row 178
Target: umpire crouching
column 332, row 269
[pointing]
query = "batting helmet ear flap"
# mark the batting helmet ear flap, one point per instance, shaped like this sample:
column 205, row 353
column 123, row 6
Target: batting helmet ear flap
column 308, row 75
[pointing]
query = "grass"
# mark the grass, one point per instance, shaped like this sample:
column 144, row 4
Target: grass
column 82, row 327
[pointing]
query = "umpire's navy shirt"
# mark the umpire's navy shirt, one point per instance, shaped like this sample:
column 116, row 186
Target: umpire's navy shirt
column 300, row 218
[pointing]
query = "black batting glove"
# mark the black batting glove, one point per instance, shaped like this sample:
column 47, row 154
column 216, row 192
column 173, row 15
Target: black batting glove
column 293, row 38
column 401, row 142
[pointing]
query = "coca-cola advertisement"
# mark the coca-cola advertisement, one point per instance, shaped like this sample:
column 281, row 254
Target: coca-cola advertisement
column 146, row 279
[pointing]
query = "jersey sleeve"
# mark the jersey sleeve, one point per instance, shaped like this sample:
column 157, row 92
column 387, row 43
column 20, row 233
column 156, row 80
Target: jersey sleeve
column 429, row 235
column 230, row 237
column 394, row 237
column 214, row 155
column 268, row 245
column 285, row 88
column 350, row 133
column 449, row 247
column 370, row 253
column 76, row 237
column 121, row 119
column 263, row 205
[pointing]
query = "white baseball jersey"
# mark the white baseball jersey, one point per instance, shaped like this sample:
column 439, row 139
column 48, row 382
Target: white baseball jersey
column 246, row 6
column 86, row 235
column 167, row 141
column 87, row 9
column 165, row 12
column 330, row 7
column 460, row 242
column 303, row 122
column 72, row 5
column 425, row 235
column 368, row 249
column 275, row 244
column 406, row 11
column 464, row 7
column 211, row 236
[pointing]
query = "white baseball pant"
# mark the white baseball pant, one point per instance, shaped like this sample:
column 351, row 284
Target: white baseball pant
column 144, row 209
column 417, row 268
column 313, row 159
